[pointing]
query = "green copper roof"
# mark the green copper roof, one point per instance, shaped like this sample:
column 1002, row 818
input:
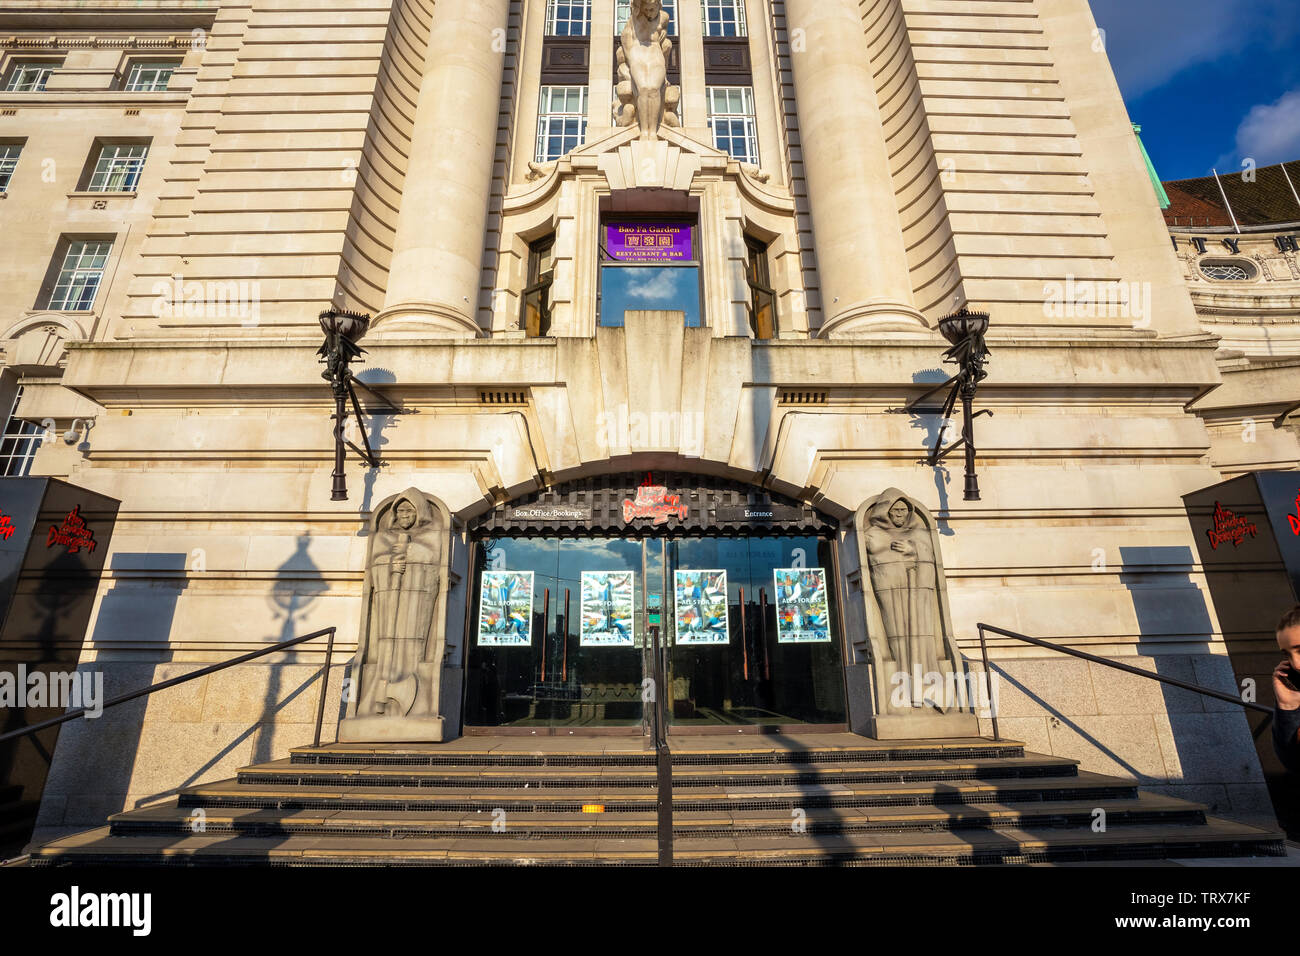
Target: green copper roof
column 1161, row 195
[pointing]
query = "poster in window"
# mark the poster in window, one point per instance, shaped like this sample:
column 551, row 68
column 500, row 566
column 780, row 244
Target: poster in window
column 607, row 609
column 700, row 612
column 802, row 611
column 506, row 609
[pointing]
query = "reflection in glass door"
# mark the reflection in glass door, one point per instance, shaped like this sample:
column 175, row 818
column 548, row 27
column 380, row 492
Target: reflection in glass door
column 556, row 635
column 558, row 632
column 742, row 652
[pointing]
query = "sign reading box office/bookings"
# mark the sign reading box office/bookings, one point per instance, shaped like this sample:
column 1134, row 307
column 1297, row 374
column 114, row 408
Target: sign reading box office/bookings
column 802, row 610
column 607, row 608
column 506, row 609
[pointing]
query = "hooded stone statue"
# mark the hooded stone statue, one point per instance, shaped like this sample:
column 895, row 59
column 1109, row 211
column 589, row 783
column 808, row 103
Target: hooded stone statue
column 398, row 666
column 909, row 625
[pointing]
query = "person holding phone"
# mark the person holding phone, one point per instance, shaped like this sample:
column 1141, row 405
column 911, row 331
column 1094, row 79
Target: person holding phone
column 1286, row 691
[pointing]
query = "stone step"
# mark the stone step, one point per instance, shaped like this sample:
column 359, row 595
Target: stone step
column 632, row 752
column 1006, row 846
column 688, row 777
column 474, row 795
column 398, row 823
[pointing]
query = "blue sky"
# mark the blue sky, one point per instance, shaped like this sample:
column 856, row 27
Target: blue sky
column 1211, row 82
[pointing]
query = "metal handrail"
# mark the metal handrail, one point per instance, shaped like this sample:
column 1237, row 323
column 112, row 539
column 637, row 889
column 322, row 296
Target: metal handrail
column 243, row 659
column 1084, row 655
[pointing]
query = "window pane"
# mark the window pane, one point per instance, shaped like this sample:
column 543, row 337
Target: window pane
column 19, row 444
column 731, row 119
column 724, row 18
column 8, row 162
column 623, row 10
column 30, row 76
column 566, row 18
column 79, row 277
column 561, row 121
column 649, row 288
column 118, row 168
column 149, row 77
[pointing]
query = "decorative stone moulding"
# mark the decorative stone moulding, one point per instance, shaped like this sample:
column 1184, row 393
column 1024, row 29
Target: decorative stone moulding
column 94, row 42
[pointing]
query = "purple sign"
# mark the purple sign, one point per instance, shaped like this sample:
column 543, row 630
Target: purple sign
column 649, row 241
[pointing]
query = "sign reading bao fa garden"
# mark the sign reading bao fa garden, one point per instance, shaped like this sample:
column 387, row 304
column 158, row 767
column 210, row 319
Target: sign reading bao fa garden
column 649, row 241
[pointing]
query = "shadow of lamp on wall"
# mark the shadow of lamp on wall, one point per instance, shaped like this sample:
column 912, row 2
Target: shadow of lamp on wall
column 964, row 330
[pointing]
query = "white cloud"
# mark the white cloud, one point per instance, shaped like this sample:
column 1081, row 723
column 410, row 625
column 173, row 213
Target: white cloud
column 659, row 285
column 1270, row 133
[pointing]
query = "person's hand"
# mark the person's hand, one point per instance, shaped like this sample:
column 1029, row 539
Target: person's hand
column 1287, row 697
column 897, row 546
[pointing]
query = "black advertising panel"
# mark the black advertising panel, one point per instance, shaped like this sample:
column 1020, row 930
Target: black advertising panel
column 1247, row 534
column 51, row 565
column 54, row 538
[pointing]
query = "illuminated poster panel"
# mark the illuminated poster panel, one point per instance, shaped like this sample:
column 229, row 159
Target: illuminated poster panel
column 700, row 611
column 802, row 610
column 506, row 609
column 607, row 609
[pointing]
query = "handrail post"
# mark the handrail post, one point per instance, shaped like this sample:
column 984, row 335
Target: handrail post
column 988, row 684
column 324, row 683
column 663, row 758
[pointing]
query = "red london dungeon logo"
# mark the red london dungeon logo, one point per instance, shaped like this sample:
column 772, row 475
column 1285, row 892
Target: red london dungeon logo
column 1229, row 526
column 73, row 534
column 1294, row 520
column 653, row 501
column 6, row 526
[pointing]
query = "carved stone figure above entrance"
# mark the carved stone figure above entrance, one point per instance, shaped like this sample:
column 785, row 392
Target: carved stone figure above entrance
column 920, row 676
column 645, row 98
column 398, row 666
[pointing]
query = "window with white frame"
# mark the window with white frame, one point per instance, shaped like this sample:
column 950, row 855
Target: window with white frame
column 561, row 121
column 30, row 76
column 8, row 163
column 80, row 275
column 724, row 18
column 623, row 10
column 731, row 120
column 18, row 444
column 149, row 76
column 568, row 18
column 118, row 168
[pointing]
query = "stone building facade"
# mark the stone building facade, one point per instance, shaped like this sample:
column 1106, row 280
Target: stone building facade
column 843, row 175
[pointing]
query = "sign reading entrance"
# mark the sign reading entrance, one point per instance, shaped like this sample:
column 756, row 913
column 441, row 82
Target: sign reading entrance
column 607, row 609
column 506, row 609
column 802, row 612
column 700, row 611
column 649, row 241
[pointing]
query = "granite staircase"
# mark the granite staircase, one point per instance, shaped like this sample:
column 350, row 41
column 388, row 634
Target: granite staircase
column 832, row 799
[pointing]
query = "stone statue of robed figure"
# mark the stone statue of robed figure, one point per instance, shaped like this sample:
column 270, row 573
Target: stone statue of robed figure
column 397, row 671
column 921, row 679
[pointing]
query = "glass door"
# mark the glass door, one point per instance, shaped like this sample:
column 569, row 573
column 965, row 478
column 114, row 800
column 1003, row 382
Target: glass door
column 754, row 635
column 556, row 634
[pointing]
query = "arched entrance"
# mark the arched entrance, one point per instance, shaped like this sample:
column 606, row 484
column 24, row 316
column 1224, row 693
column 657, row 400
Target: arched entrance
column 568, row 586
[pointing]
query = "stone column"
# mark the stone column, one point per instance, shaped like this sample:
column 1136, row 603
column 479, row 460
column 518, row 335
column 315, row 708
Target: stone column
column 862, row 263
column 433, row 282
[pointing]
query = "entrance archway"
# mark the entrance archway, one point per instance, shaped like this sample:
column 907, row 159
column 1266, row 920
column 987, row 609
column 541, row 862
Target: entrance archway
column 568, row 585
